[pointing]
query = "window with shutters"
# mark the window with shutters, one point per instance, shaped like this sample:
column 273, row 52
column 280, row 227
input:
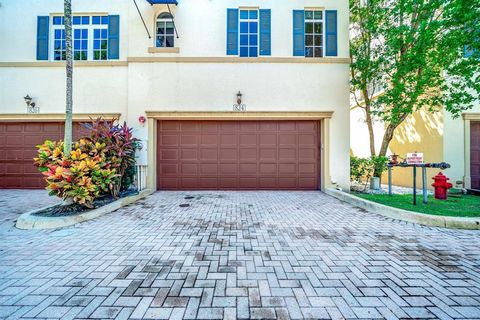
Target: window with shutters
column 165, row 31
column 314, row 33
column 248, row 33
column 90, row 38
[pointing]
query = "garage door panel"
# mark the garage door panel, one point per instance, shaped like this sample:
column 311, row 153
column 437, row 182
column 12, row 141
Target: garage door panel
column 248, row 154
column 170, row 141
column 170, row 125
column 240, row 155
column 227, row 140
column 287, row 140
column 189, row 140
column 268, row 139
column 288, row 182
column 307, row 168
column 307, row 154
column 268, row 154
column 169, row 168
column 14, row 140
column 209, row 139
column 287, row 168
column 228, row 154
column 228, row 183
column 169, row 154
column 267, row 168
column 189, row 154
column 268, row 183
column 208, row 154
column 188, row 126
column 228, row 168
column 209, row 126
column 287, row 154
column 248, row 140
column 208, row 183
column 247, row 168
column 287, row 126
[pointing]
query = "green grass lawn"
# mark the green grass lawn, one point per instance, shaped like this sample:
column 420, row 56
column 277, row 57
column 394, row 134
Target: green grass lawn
column 465, row 206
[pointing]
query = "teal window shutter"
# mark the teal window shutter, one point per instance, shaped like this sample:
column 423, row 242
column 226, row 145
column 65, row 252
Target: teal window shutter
column 468, row 51
column 299, row 33
column 265, row 32
column 331, row 33
column 42, row 37
column 114, row 37
column 232, row 31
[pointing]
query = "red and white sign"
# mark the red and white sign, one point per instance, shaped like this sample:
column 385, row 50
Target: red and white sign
column 415, row 158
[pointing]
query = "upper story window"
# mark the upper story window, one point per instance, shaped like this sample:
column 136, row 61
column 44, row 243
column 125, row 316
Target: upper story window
column 314, row 33
column 165, row 31
column 95, row 37
column 90, row 38
column 248, row 33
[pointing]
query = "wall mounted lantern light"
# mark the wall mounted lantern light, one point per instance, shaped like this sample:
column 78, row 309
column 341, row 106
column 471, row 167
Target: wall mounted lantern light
column 142, row 120
column 31, row 106
column 239, row 98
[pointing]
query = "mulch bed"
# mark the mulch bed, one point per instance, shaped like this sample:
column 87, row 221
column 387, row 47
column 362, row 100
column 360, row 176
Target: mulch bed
column 60, row 210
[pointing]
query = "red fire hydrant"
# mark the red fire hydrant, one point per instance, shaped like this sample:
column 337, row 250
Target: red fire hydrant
column 441, row 186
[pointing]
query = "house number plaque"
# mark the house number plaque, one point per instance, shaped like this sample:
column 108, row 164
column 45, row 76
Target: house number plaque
column 240, row 107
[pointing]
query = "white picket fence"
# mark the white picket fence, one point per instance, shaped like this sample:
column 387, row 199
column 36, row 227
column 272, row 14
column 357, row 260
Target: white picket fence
column 141, row 177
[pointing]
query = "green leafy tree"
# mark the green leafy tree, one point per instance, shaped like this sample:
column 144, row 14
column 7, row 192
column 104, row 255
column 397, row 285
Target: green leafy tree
column 410, row 54
column 67, row 147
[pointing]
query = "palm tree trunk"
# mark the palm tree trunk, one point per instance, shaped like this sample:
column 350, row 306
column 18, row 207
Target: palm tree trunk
column 69, row 71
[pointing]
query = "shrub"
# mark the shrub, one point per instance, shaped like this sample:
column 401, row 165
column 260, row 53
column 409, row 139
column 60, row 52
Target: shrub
column 120, row 150
column 102, row 163
column 362, row 169
column 82, row 176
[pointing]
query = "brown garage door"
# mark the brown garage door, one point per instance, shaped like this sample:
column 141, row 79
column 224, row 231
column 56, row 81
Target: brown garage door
column 17, row 150
column 209, row 155
column 475, row 154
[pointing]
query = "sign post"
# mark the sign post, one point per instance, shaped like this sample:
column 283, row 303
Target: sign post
column 414, row 159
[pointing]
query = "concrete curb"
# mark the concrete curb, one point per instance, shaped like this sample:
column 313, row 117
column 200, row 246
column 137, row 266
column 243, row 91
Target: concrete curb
column 28, row 221
column 400, row 214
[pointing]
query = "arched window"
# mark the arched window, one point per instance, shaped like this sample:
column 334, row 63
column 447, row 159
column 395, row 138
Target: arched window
column 165, row 32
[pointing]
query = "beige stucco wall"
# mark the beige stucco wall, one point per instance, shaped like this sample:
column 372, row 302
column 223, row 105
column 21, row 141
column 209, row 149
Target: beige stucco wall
column 421, row 132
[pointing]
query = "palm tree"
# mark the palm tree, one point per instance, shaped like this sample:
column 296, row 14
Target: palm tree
column 67, row 148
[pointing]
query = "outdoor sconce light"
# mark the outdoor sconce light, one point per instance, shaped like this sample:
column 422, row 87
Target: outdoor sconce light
column 142, row 120
column 239, row 98
column 31, row 106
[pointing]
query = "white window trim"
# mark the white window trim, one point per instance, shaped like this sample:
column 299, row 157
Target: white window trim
column 248, row 20
column 90, row 27
column 164, row 20
column 313, row 20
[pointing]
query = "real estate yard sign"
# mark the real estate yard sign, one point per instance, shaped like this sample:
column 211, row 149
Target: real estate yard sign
column 415, row 158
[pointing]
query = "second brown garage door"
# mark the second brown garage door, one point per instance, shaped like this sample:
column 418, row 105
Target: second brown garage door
column 475, row 154
column 238, row 155
column 18, row 142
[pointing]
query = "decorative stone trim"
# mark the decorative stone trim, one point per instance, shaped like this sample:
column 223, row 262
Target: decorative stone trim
column 237, row 60
column 404, row 215
column 48, row 117
column 163, row 50
column 28, row 221
column 58, row 64
column 165, row 115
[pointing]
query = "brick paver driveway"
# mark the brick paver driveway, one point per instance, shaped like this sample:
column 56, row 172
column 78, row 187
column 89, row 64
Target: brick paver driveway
column 240, row 255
